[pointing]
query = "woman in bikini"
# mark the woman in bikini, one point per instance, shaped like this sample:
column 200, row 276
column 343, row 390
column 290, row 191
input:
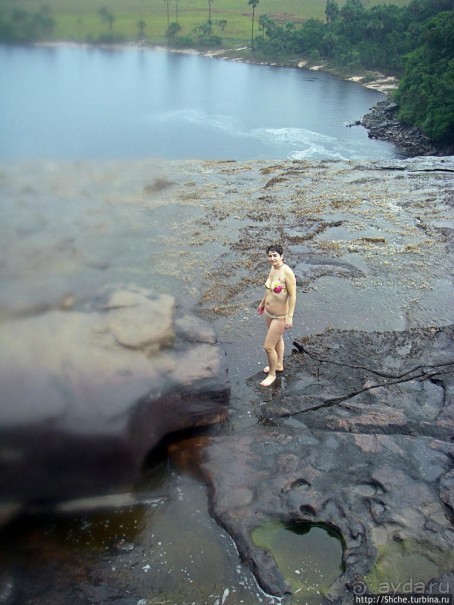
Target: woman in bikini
column 278, row 306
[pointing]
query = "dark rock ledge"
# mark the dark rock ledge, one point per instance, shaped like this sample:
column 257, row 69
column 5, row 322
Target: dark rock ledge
column 381, row 123
column 359, row 440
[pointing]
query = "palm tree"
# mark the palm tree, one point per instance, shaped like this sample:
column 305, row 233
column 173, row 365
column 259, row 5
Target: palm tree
column 266, row 25
column 209, row 15
column 168, row 12
column 332, row 11
column 141, row 25
column 107, row 16
column 172, row 31
column 253, row 3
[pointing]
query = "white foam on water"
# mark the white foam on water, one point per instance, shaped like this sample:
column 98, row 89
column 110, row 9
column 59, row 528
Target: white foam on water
column 307, row 144
column 294, row 136
column 197, row 117
column 316, row 152
column 290, row 142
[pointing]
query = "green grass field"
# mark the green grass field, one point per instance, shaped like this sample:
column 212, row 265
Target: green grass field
column 78, row 19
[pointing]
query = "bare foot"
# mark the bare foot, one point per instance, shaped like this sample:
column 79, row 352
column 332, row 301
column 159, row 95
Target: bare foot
column 266, row 369
column 268, row 381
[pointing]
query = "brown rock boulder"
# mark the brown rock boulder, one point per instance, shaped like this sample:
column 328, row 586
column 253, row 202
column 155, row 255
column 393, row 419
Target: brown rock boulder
column 86, row 395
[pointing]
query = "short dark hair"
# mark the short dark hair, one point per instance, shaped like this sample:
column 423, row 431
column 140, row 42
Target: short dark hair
column 275, row 248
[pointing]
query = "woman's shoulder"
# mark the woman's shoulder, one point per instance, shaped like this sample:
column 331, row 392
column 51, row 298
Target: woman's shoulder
column 287, row 270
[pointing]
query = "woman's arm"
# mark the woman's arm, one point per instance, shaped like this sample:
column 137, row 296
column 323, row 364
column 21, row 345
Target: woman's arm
column 290, row 283
column 261, row 307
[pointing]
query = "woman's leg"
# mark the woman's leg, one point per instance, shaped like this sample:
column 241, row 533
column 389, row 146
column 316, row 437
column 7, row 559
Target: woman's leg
column 279, row 348
column 273, row 348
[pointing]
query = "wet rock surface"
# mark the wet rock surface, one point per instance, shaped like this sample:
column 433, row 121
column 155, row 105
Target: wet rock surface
column 359, row 440
column 354, row 435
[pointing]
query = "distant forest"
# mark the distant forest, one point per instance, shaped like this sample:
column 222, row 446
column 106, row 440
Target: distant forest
column 414, row 42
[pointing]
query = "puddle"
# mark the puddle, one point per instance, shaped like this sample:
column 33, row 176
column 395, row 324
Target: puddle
column 308, row 555
column 191, row 559
column 165, row 549
column 406, row 566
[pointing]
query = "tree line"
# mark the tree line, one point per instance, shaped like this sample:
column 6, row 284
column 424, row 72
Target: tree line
column 415, row 43
column 19, row 25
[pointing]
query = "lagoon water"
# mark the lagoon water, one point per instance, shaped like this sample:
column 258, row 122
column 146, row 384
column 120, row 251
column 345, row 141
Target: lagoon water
column 82, row 103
